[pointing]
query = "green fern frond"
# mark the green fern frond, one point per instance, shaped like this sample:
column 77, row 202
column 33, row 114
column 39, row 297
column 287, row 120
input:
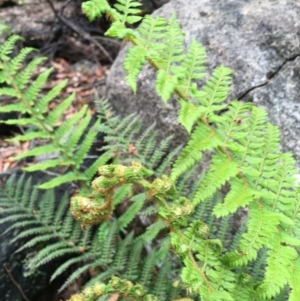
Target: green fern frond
column 201, row 139
column 138, row 202
column 221, row 170
column 189, row 114
column 133, row 63
column 62, row 268
column 22, row 78
column 76, row 274
column 94, row 9
column 215, row 90
column 148, row 269
column 74, row 137
column 164, row 164
column 279, row 262
column 6, row 49
column 129, row 10
column 150, row 29
column 258, row 268
column 239, row 195
column 121, row 193
column 109, row 245
column 66, row 178
column 61, row 141
column 193, row 66
column 132, row 271
column 294, row 281
column 120, row 259
column 15, row 63
column 152, row 231
column 162, row 282
column 171, row 52
column 46, row 221
column 233, row 125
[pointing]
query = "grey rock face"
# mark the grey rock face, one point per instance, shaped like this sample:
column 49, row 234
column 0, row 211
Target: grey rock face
column 259, row 40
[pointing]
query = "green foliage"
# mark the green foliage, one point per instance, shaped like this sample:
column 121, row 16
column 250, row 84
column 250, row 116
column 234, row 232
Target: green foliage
column 189, row 245
column 59, row 142
column 245, row 158
column 50, row 232
column 38, row 221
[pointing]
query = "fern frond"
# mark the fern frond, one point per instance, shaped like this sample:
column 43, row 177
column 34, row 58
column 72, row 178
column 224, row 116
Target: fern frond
column 162, row 283
column 133, row 63
column 148, row 269
column 22, row 78
column 215, row 91
column 233, row 125
column 7, row 47
column 33, row 90
column 94, row 9
column 60, row 140
column 239, row 195
column 76, row 274
column 150, row 30
column 62, row 268
column 152, row 231
column 15, row 63
column 102, row 160
column 221, row 170
column 138, row 202
column 120, row 259
column 132, row 271
column 108, row 248
column 280, row 260
column 294, row 280
column 189, row 114
column 121, row 193
column 164, row 165
column 201, row 139
column 171, row 52
column 47, row 222
column 193, row 66
column 129, row 10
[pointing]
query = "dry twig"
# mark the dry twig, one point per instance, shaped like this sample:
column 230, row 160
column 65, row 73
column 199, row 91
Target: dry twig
column 17, row 285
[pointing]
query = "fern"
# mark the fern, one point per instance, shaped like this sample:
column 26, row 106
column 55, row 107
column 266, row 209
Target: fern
column 63, row 140
column 245, row 157
column 193, row 218
column 126, row 139
column 201, row 139
column 27, row 208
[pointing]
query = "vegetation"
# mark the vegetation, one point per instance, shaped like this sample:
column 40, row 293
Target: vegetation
column 188, row 248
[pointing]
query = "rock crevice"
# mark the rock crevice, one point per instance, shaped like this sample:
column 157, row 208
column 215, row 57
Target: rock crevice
column 269, row 77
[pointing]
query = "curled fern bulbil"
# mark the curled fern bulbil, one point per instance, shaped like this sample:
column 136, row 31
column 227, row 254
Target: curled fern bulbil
column 91, row 211
column 125, row 288
column 96, row 208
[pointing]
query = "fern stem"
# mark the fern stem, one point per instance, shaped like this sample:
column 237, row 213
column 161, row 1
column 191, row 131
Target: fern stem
column 196, row 267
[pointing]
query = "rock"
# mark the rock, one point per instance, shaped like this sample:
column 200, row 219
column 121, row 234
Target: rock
column 254, row 38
